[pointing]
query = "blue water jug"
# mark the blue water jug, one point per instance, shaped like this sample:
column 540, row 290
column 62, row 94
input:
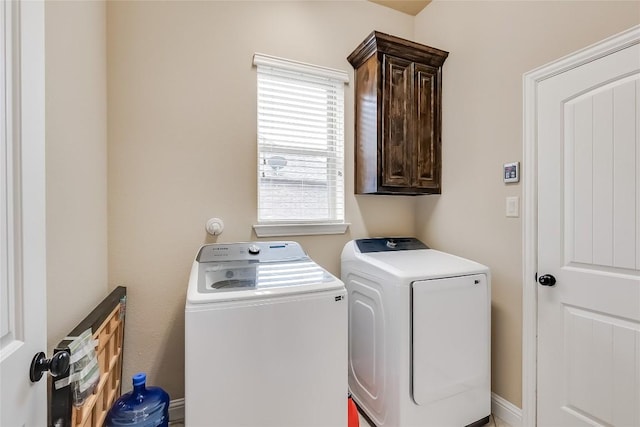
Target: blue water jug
column 141, row 407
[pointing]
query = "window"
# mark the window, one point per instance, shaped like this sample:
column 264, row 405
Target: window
column 300, row 145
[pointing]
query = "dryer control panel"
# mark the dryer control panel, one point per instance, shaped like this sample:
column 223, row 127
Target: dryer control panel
column 389, row 244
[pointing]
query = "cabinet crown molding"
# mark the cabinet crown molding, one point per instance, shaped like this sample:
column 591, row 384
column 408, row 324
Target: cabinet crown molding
column 382, row 43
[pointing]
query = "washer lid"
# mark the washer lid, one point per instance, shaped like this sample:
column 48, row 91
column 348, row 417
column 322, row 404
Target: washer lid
column 238, row 280
column 233, row 276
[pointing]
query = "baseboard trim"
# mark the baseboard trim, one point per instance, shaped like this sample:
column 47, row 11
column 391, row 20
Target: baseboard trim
column 500, row 407
column 506, row 411
column 176, row 410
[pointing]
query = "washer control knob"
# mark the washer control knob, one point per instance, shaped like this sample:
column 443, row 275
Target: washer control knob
column 254, row 249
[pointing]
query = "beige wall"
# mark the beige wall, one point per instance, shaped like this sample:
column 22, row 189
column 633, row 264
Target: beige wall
column 76, row 162
column 492, row 44
column 182, row 146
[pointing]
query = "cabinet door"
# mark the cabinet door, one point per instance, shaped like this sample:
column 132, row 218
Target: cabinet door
column 427, row 150
column 397, row 122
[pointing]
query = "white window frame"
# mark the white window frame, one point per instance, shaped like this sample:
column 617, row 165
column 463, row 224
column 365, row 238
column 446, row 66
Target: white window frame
column 295, row 228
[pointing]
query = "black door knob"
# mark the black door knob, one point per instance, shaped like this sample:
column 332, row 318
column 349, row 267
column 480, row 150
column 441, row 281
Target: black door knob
column 57, row 365
column 547, row 280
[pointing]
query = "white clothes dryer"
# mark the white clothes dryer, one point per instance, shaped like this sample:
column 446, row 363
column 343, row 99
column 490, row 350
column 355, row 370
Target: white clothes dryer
column 419, row 334
column 265, row 339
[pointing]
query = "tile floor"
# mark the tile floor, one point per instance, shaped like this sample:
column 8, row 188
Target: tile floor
column 494, row 422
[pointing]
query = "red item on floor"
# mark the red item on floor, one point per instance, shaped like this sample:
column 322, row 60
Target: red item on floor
column 353, row 419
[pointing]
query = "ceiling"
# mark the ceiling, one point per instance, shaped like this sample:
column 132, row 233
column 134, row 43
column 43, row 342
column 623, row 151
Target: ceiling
column 412, row 7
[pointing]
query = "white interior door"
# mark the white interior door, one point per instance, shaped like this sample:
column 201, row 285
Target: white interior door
column 588, row 134
column 22, row 212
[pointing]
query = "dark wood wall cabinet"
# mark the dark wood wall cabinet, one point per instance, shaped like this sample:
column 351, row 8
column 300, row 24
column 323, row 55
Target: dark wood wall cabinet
column 398, row 105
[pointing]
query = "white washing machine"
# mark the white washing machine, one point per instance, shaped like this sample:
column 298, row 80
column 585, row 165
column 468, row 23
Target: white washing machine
column 419, row 334
column 265, row 339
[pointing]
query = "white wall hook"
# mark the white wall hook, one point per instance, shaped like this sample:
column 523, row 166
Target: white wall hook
column 214, row 226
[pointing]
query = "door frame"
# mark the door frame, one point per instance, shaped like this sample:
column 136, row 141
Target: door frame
column 531, row 80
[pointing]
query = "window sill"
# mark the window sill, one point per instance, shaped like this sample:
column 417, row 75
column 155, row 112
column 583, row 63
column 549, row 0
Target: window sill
column 272, row 230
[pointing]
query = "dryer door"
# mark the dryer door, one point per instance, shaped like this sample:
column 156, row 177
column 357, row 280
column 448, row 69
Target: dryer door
column 451, row 341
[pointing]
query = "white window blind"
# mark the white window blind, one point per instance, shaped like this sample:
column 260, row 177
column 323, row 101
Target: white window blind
column 300, row 142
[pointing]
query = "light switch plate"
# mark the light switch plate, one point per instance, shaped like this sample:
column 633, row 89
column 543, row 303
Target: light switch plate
column 513, row 207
